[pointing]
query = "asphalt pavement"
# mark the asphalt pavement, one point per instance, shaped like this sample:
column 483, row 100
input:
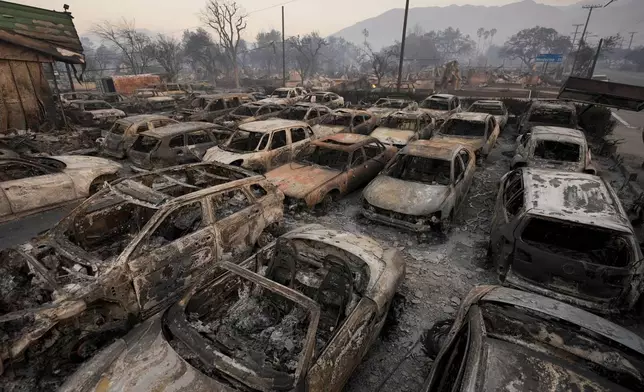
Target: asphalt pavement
column 17, row 232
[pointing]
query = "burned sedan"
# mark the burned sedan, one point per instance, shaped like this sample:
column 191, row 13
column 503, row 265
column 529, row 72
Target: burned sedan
column 326, row 98
column 126, row 253
column 554, row 148
column 310, row 113
column 298, row 316
column 441, row 106
column 285, row 96
column 93, row 112
column 175, row 144
column 335, row 166
column 557, row 114
column 263, row 145
column 385, row 106
column 349, row 121
column 477, row 131
column 422, row 187
column 29, row 186
column 249, row 112
column 400, row 128
column 493, row 107
column 509, row 340
column 120, row 137
column 566, row 235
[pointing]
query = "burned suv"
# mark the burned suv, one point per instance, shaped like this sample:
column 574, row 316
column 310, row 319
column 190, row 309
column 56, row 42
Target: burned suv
column 565, row 235
column 126, row 253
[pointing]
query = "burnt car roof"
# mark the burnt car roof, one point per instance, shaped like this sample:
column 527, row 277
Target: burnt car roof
column 409, row 114
column 554, row 105
column 566, row 312
column 179, row 128
column 141, row 117
column 576, row 197
column 488, row 102
column 347, row 142
column 435, row 149
column 271, row 125
column 441, row 96
column 350, row 111
column 542, row 131
column 88, row 101
column 309, row 105
column 470, row 116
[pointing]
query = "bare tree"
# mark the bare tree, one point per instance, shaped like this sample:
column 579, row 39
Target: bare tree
column 134, row 45
column 228, row 21
column 306, row 51
column 167, row 52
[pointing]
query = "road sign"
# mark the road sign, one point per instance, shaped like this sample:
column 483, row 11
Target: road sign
column 550, row 58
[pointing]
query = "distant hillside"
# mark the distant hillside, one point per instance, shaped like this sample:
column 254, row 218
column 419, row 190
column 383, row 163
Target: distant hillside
column 622, row 16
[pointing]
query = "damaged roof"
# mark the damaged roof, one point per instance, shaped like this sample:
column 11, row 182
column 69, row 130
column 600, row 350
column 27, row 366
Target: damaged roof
column 347, row 142
column 550, row 132
column 440, row 96
column 174, row 129
column 271, row 125
column 575, row 197
column 49, row 32
column 470, row 116
column 141, row 117
column 434, row 149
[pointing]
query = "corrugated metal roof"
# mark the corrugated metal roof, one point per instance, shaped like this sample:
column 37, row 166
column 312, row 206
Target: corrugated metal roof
column 46, row 31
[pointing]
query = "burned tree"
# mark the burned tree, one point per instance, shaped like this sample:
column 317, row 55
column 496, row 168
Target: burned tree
column 306, row 51
column 167, row 52
column 527, row 44
column 204, row 56
column 382, row 62
column 135, row 46
column 228, row 21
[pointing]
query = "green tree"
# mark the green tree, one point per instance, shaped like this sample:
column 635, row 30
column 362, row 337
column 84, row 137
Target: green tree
column 527, row 44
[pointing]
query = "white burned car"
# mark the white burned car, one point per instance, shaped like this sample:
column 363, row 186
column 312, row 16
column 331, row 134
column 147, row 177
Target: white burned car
column 557, row 148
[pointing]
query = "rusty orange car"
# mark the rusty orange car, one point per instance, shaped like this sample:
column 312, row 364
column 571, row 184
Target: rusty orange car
column 330, row 168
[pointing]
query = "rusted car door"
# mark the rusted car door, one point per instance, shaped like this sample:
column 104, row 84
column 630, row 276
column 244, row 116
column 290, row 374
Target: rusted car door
column 509, row 207
column 358, row 172
column 279, row 151
column 198, row 142
column 458, row 179
column 178, row 149
column 469, row 163
column 344, row 352
column 238, row 220
column 299, row 139
column 362, row 124
column 29, row 186
column 171, row 255
column 493, row 133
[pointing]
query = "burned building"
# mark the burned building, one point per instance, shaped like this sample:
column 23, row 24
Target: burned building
column 31, row 40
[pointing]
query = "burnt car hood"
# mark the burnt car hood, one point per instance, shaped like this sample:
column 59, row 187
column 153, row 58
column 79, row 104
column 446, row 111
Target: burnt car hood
column 298, row 180
column 217, row 154
column 435, row 113
column 556, row 165
column 405, row 197
column 472, row 143
column 106, row 113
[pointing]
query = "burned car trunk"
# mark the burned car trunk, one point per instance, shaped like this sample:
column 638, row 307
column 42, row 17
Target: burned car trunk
column 128, row 252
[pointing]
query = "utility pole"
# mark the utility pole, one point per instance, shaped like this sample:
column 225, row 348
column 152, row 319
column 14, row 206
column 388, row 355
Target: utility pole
column 283, row 52
column 402, row 47
column 592, row 68
column 574, row 38
column 630, row 44
column 590, row 9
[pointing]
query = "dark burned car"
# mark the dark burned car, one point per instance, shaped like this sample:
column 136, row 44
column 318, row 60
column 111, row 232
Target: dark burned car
column 326, row 98
column 402, row 127
column 126, row 253
column 566, row 235
column 120, row 137
column 554, row 113
column 298, row 316
column 509, row 340
column 249, row 112
column 210, row 107
column 348, row 121
column 94, row 112
column 175, row 144
column 310, row 113
column 385, row 106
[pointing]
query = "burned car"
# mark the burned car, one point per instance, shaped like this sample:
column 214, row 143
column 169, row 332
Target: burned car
column 566, row 235
column 422, row 187
column 298, row 316
column 210, row 107
column 95, row 112
column 400, row 128
column 477, row 131
column 285, row 96
column 153, row 100
column 510, row 340
column 385, row 106
column 326, row 98
column 554, row 113
column 554, row 148
column 249, row 112
column 263, row 145
column 333, row 167
column 493, row 107
column 310, row 113
column 120, row 137
column 126, row 253
column 348, row 121
column 175, row 144
column 441, row 106
column 29, row 186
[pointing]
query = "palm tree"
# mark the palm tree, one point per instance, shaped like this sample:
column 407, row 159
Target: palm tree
column 479, row 33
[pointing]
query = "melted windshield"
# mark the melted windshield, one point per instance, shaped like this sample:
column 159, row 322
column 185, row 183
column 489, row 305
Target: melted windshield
column 552, row 117
column 405, row 124
column 338, row 119
column 294, row 113
column 420, row 169
column 393, row 104
column 247, row 141
column 281, row 93
column 458, row 127
column 489, row 109
column 436, row 104
column 97, row 106
column 334, row 159
column 557, row 151
column 244, row 111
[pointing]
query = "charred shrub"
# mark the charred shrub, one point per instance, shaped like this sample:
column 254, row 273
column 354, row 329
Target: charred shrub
column 596, row 121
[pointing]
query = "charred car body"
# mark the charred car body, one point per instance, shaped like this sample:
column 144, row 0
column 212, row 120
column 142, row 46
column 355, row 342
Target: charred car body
column 566, row 235
column 127, row 252
column 249, row 112
column 422, row 187
column 441, row 106
column 557, row 114
column 509, row 340
column 493, row 107
column 263, row 145
column 400, row 128
column 310, row 113
column 385, row 106
column 348, row 121
column 153, row 100
column 333, row 167
column 303, row 323
column 554, row 148
column 326, row 98
column 29, row 186
column 285, row 96
column 120, row 137
column 477, row 131
column 93, row 112
column 175, row 144
column 209, row 107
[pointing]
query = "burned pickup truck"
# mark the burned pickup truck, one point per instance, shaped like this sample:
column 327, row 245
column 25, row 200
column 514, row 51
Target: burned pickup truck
column 566, row 235
column 298, row 316
column 126, row 253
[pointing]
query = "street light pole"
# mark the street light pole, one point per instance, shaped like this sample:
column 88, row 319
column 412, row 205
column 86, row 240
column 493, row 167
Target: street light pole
column 283, row 52
column 583, row 34
column 402, row 47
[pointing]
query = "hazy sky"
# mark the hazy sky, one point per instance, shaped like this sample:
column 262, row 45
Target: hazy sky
column 302, row 16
